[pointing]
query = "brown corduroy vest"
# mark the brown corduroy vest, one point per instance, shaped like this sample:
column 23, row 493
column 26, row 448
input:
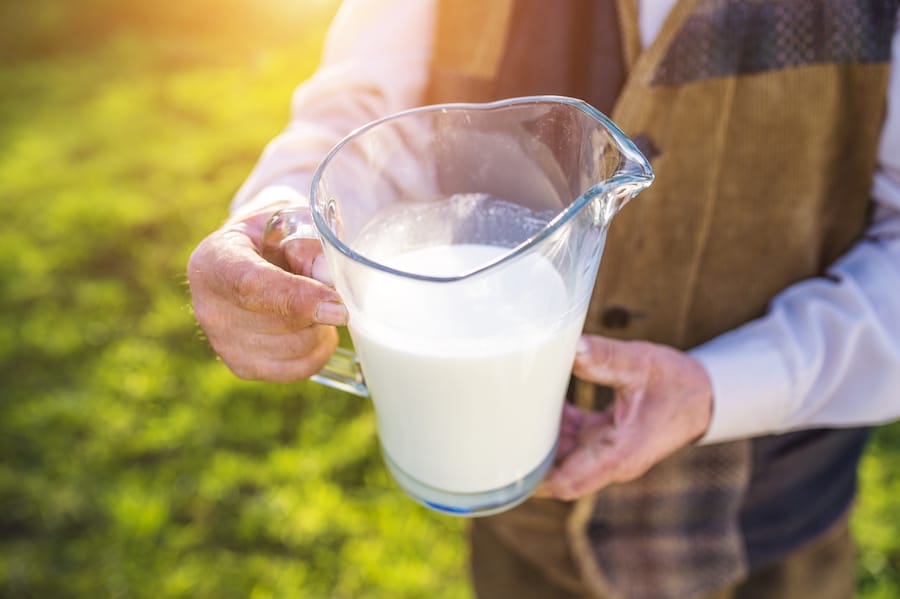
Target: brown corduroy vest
column 761, row 120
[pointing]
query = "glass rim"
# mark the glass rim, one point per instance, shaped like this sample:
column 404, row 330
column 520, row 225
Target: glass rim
column 637, row 172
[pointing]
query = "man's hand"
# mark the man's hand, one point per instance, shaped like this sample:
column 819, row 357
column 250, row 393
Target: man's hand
column 663, row 402
column 264, row 322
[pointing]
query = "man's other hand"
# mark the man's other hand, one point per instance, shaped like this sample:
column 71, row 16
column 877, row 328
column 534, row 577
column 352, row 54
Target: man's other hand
column 663, row 402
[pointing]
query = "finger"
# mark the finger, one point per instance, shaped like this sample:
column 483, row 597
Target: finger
column 285, row 346
column 567, row 442
column 246, row 280
column 287, row 224
column 321, row 272
column 301, row 251
column 217, row 314
column 571, row 418
column 283, row 370
column 587, row 468
column 586, row 465
column 301, row 255
column 575, row 426
column 610, row 362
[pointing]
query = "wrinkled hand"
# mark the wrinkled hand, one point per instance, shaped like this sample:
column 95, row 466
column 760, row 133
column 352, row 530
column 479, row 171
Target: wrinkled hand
column 663, row 402
column 264, row 322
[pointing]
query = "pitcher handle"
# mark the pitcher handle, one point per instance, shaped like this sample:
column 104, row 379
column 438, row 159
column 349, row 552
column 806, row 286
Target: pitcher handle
column 342, row 371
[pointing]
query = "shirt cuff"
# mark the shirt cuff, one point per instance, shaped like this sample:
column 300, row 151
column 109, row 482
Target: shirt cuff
column 750, row 384
column 270, row 198
column 258, row 190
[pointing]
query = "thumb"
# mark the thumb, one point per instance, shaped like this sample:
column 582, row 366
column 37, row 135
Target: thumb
column 228, row 265
column 609, row 362
column 304, row 257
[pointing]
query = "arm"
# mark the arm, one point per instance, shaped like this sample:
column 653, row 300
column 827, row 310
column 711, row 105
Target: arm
column 265, row 322
column 828, row 351
column 375, row 62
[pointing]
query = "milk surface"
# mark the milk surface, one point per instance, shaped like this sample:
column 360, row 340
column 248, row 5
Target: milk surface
column 467, row 378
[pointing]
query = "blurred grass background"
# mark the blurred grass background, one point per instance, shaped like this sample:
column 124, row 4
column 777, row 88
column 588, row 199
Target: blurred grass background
column 132, row 463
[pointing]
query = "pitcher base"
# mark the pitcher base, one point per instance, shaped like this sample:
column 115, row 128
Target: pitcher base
column 471, row 505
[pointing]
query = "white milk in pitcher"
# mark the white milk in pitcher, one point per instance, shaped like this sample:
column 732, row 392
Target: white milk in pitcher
column 467, row 378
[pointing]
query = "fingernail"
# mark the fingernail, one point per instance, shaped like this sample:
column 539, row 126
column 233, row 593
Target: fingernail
column 320, row 271
column 332, row 313
column 583, row 347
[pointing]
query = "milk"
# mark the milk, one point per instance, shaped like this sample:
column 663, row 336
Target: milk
column 468, row 377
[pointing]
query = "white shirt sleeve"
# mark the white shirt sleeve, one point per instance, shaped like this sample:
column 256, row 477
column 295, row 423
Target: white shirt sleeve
column 827, row 353
column 375, row 62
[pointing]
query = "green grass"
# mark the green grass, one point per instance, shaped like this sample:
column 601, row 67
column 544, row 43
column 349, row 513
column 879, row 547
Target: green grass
column 133, row 463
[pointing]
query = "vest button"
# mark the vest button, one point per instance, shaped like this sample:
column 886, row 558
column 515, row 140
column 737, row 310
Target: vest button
column 646, row 146
column 615, row 317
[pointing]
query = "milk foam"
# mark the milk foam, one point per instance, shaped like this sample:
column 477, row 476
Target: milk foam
column 468, row 377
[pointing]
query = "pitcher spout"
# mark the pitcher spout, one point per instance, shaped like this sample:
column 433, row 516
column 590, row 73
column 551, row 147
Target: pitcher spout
column 607, row 198
column 632, row 173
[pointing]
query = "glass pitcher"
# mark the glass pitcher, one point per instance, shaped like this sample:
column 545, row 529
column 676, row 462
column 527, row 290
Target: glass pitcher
column 465, row 240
